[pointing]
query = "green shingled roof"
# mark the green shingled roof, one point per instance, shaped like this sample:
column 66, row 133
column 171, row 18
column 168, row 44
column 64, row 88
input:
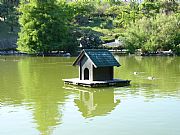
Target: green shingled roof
column 99, row 57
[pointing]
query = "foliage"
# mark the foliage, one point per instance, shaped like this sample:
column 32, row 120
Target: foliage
column 52, row 25
column 81, row 11
column 88, row 38
column 108, row 24
column 12, row 18
column 169, row 7
column 150, row 34
column 9, row 14
column 150, row 8
column 3, row 11
column 44, row 27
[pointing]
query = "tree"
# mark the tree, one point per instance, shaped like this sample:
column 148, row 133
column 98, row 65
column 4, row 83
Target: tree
column 8, row 13
column 44, row 27
column 12, row 18
column 3, row 11
column 150, row 8
column 81, row 11
column 170, row 6
column 151, row 34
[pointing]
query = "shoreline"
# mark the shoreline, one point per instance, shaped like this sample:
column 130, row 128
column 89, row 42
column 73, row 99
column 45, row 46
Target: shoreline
column 17, row 53
column 64, row 54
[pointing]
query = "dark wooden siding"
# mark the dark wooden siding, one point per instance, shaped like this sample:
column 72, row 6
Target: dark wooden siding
column 102, row 73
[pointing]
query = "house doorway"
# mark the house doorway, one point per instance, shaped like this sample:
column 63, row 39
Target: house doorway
column 86, row 74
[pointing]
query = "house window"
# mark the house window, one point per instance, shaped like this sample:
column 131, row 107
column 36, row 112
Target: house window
column 86, row 74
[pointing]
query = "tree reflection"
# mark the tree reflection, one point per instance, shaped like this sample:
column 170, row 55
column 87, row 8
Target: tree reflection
column 10, row 92
column 165, row 70
column 41, row 89
column 36, row 83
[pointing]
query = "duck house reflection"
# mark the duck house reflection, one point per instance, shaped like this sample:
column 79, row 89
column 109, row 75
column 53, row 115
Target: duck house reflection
column 96, row 103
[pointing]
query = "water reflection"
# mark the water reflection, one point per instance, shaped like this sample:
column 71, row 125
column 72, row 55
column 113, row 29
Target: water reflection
column 35, row 85
column 165, row 70
column 96, row 102
column 40, row 86
column 9, row 82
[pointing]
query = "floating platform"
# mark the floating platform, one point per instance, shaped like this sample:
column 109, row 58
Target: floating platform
column 88, row 83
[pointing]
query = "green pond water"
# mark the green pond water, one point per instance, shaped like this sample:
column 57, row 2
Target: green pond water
column 35, row 101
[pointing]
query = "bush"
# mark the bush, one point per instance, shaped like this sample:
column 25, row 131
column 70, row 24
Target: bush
column 108, row 24
column 151, row 34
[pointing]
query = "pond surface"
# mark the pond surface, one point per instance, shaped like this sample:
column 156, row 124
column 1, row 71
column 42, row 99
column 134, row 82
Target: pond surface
column 35, row 101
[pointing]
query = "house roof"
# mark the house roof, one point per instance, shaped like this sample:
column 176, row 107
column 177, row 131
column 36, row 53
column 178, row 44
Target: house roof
column 98, row 57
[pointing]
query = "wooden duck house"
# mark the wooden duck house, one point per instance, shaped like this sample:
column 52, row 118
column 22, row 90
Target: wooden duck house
column 96, row 68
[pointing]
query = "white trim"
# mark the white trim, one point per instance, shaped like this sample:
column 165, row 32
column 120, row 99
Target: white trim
column 90, row 60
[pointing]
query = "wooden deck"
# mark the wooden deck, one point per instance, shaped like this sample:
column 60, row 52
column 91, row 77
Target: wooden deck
column 87, row 83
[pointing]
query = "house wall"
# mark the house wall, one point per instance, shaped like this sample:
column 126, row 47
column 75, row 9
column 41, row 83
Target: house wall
column 86, row 63
column 103, row 73
column 95, row 74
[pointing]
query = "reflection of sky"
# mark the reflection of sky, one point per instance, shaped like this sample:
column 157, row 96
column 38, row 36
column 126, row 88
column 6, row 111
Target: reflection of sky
column 16, row 121
column 132, row 116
